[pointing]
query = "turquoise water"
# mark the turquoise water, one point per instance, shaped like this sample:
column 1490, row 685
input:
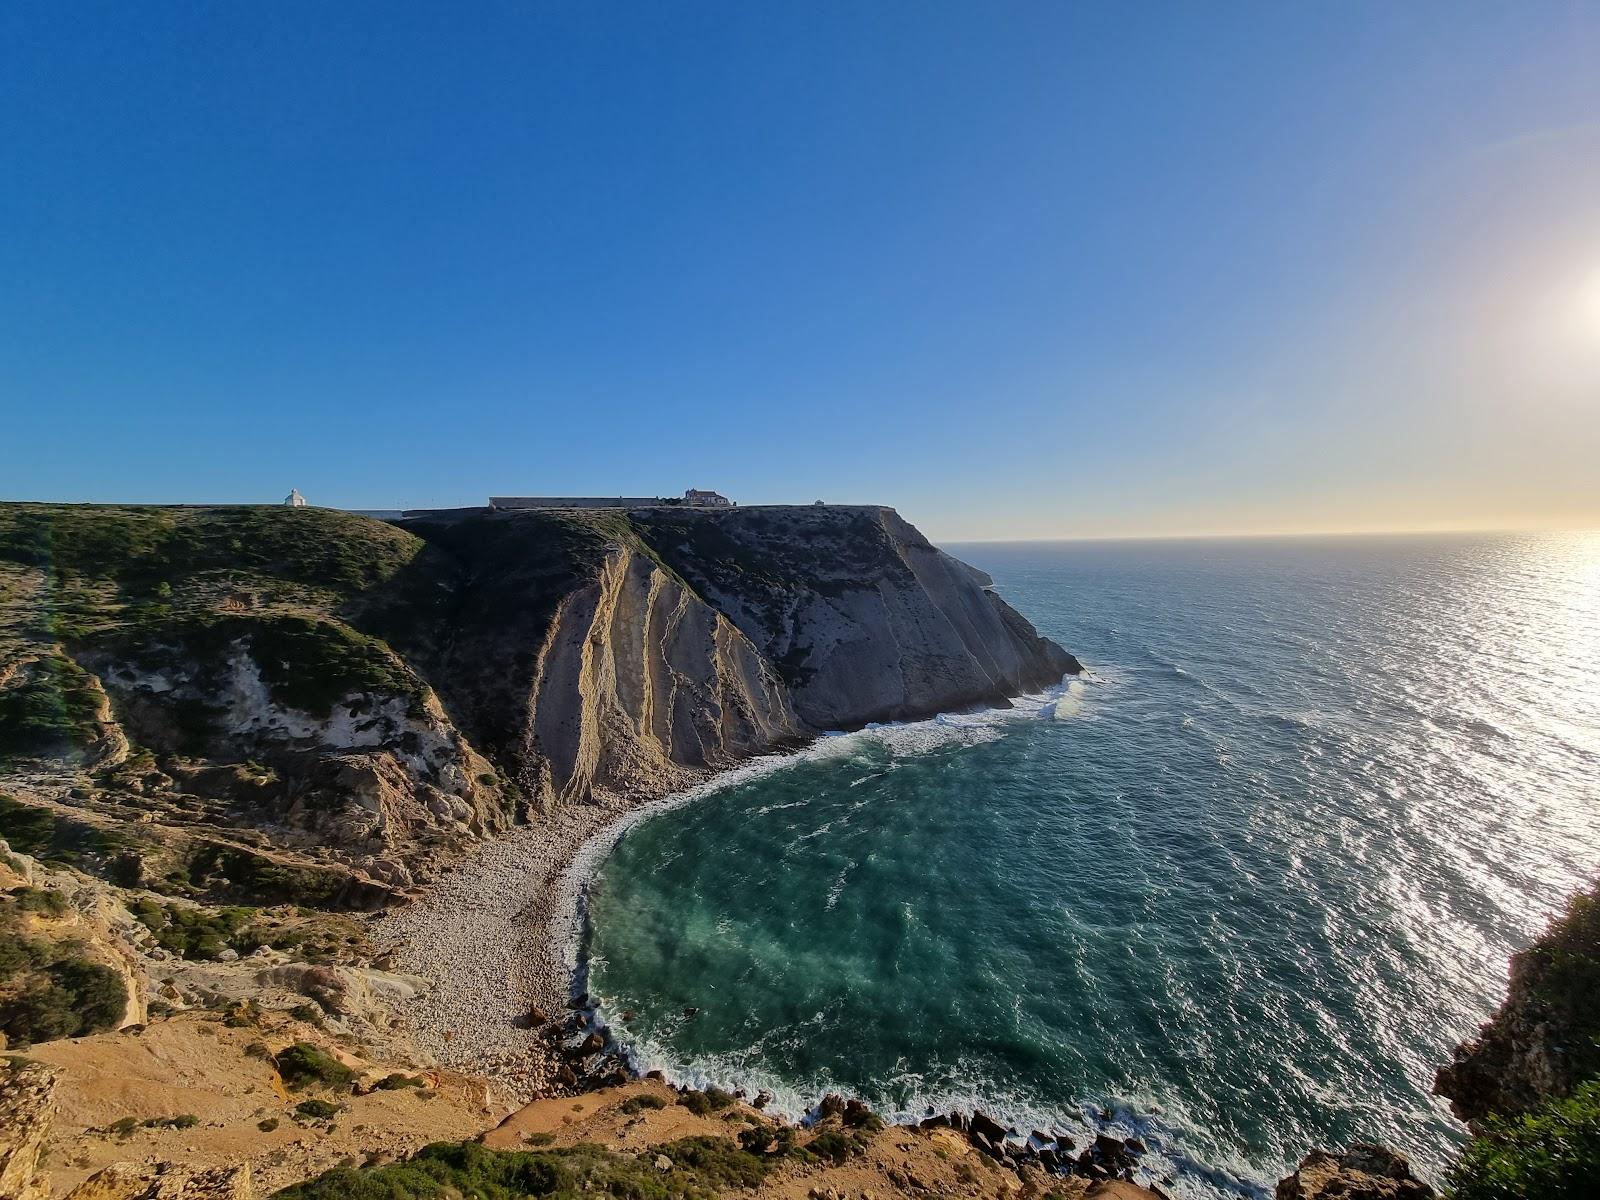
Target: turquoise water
column 1240, row 892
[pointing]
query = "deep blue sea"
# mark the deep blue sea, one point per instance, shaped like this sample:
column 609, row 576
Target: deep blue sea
column 1239, row 891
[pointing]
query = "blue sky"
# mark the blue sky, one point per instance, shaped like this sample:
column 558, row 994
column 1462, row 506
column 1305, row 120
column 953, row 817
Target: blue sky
column 1019, row 270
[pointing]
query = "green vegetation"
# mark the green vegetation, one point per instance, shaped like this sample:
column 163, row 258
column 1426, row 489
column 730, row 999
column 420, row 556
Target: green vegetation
column 303, row 1065
column 835, row 1147
column 52, row 990
column 198, row 932
column 713, row 1099
column 1550, row 1154
column 147, row 550
column 317, row 1110
column 56, row 840
column 1563, row 970
column 395, row 1081
column 641, row 1102
column 267, row 1125
column 39, row 900
column 49, row 709
column 702, row 1168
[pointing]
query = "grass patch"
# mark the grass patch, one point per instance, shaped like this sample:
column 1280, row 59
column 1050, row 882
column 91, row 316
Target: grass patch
column 702, row 1168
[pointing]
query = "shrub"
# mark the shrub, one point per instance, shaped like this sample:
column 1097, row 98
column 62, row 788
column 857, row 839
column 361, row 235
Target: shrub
column 39, row 900
column 198, row 932
column 834, row 1146
column 703, row 1168
column 267, row 1125
column 317, row 1110
column 396, row 1080
column 641, row 1102
column 1552, row 1153
column 709, row 1101
column 124, row 1126
column 52, row 990
column 303, row 1065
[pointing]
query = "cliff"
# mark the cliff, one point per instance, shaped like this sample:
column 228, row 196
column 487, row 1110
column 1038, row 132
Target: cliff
column 370, row 698
column 1545, row 1039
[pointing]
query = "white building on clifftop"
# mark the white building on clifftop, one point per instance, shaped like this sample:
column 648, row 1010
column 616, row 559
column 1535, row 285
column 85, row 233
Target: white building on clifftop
column 294, row 499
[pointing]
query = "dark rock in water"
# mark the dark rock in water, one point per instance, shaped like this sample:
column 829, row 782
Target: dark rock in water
column 1063, row 1142
column 1048, row 1159
column 582, row 1001
column 656, row 1075
column 1360, row 1173
column 628, row 1014
column 988, row 1126
column 1133, row 1145
column 691, row 1013
column 934, row 1122
column 1044, row 1139
column 832, row 1106
column 592, row 1044
column 763, row 1098
column 565, row 1076
column 1109, row 1150
column 856, row 1113
column 958, row 1122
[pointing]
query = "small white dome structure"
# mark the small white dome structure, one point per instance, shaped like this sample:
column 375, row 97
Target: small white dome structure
column 294, row 499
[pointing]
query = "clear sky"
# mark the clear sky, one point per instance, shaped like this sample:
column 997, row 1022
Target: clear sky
column 1019, row 270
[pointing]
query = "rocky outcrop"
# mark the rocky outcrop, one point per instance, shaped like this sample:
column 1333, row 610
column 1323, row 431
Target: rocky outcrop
column 1545, row 1038
column 1359, row 1173
column 862, row 617
column 165, row 1181
column 27, row 1115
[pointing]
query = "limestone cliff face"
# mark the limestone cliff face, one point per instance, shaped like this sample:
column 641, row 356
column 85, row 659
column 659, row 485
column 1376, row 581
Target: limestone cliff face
column 637, row 680
column 864, row 619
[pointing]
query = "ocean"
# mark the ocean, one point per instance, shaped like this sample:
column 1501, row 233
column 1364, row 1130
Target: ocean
column 1238, row 892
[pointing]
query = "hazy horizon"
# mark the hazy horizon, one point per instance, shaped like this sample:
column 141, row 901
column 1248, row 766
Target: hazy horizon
column 1032, row 273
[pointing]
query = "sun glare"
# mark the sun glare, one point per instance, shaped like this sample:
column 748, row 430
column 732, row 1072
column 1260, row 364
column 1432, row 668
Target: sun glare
column 1590, row 302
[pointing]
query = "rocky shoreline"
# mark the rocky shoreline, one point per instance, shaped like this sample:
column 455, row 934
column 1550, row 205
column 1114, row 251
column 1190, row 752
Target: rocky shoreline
column 490, row 941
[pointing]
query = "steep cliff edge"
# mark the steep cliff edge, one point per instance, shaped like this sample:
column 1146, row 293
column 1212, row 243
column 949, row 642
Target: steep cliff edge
column 1545, row 1039
column 371, row 697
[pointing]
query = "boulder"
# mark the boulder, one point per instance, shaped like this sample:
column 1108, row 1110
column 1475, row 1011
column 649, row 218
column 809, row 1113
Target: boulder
column 1359, row 1173
column 988, row 1127
column 27, row 1113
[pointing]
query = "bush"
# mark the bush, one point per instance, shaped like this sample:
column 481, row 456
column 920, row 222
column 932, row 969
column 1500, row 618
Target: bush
column 395, row 1081
column 198, row 932
column 1550, row 1154
column 302, row 1065
column 38, row 900
column 317, row 1110
column 267, row 1125
column 641, row 1102
column 52, row 990
column 703, row 1168
column 835, row 1147
column 709, row 1101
